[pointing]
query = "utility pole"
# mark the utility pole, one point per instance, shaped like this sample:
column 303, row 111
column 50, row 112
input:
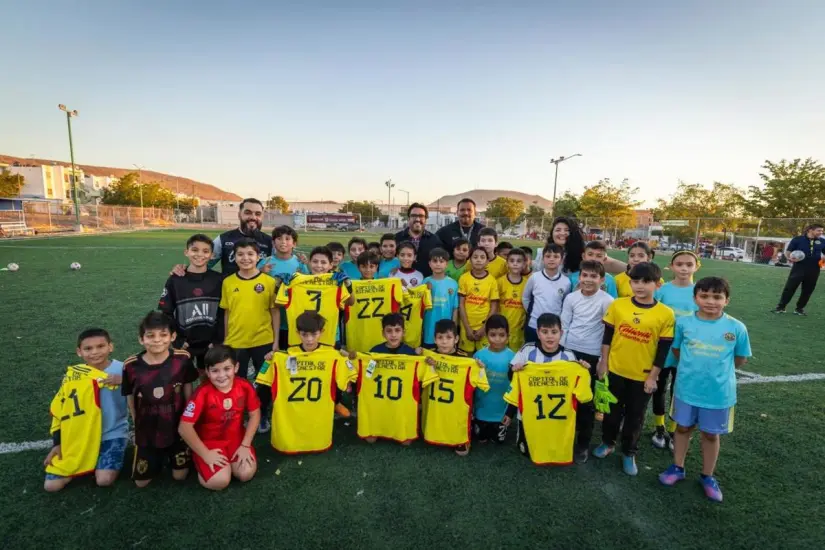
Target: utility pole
column 140, row 186
column 69, row 115
column 389, row 185
column 556, row 178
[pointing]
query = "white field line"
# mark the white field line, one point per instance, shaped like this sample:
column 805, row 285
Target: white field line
column 55, row 247
column 747, row 374
column 782, row 378
column 6, row 448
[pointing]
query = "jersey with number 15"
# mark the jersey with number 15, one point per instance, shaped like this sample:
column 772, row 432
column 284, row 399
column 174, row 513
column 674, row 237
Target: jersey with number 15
column 373, row 300
column 319, row 293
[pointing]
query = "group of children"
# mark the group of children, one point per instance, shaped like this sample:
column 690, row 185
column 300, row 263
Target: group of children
column 479, row 342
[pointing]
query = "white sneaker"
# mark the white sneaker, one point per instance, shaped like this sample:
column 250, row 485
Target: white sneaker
column 264, row 426
column 659, row 440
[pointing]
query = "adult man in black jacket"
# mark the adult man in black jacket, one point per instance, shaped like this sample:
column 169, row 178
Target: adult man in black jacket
column 464, row 228
column 423, row 240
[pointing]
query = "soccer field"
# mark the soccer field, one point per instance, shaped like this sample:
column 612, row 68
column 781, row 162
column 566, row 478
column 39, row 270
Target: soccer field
column 771, row 469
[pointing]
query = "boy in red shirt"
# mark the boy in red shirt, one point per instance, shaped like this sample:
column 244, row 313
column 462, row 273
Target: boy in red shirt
column 212, row 424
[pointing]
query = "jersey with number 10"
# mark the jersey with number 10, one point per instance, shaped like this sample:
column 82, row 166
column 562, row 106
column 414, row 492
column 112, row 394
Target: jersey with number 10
column 547, row 396
column 389, row 390
column 417, row 300
column 373, row 300
column 303, row 399
column 319, row 293
column 448, row 403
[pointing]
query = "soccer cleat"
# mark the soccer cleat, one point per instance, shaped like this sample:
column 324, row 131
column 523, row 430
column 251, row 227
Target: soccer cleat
column 264, row 426
column 629, row 465
column 342, row 411
column 670, row 444
column 800, row 312
column 778, row 309
column 603, row 451
column 463, row 450
column 659, row 439
column 580, row 457
column 711, row 487
column 673, row 475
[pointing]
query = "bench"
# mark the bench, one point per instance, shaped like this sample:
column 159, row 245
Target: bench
column 14, row 228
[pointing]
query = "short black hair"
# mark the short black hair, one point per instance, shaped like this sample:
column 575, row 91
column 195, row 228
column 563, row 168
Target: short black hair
column 528, row 250
column 548, row 320
column 218, row 354
column 593, row 266
column 712, row 284
column 487, row 232
column 323, row 251
column 813, row 227
column 387, row 237
column 439, row 253
column 596, row 245
column 477, row 248
column 646, row 271
column 497, row 321
column 93, row 333
column 373, row 245
column 644, row 246
column 392, row 320
column 199, row 238
column 252, row 200
column 310, row 321
column 335, row 246
column 282, row 230
column 517, row 252
column 248, row 243
column 502, row 246
column 156, row 320
column 368, row 257
column 554, row 248
column 460, row 242
column 466, row 199
column 418, row 205
column 356, row 240
column 406, row 244
column 443, row 326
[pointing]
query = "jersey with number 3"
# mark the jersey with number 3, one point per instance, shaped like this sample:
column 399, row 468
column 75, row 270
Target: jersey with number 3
column 389, row 390
column 547, row 396
column 417, row 300
column 373, row 300
column 303, row 398
column 448, row 403
column 75, row 411
column 319, row 293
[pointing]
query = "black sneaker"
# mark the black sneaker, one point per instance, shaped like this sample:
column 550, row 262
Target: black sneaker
column 778, row 310
column 800, row 312
column 580, row 457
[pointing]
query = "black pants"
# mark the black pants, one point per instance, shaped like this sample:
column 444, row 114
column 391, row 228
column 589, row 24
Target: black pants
column 659, row 399
column 807, row 277
column 585, row 414
column 257, row 355
column 630, row 408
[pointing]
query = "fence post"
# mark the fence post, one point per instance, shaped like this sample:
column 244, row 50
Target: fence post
column 696, row 241
column 129, row 216
column 97, row 215
column 756, row 242
column 200, row 214
column 49, row 210
column 114, row 219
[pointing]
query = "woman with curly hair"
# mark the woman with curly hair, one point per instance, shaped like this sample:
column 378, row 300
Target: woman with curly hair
column 566, row 233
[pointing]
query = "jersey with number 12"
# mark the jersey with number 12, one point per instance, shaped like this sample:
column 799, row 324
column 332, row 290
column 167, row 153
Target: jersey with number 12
column 319, row 293
column 373, row 300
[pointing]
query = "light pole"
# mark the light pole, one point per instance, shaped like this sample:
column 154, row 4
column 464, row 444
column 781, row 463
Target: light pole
column 389, row 185
column 69, row 115
column 408, row 195
column 140, row 186
column 556, row 179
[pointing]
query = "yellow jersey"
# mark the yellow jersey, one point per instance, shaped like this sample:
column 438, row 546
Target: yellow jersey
column 75, row 411
column 362, row 320
column 623, row 288
column 247, row 303
column 304, row 386
column 389, row 390
column 448, row 403
column 478, row 294
column 497, row 267
column 319, row 293
column 547, row 396
column 417, row 300
column 637, row 329
column 511, row 306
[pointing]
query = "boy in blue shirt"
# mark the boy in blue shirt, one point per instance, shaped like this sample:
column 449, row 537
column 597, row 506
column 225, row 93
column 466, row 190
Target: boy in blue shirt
column 596, row 251
column 356, row 247
column 709, row 345
column 444, row 291
column 392, row 325
column 490, row 406
column 389, row 263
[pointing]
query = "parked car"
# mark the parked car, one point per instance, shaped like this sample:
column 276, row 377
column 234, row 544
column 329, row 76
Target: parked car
column 731, row 253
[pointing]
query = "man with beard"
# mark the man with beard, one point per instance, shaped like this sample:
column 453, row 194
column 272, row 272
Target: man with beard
column 465, row 228
column 423, row 240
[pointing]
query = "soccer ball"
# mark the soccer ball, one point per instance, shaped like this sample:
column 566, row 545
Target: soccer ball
column 75, row 266
column 797, row 255
column 13, row 267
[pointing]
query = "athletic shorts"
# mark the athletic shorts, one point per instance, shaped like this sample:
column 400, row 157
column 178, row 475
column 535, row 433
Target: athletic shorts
column 710, row 421
column 489, row 431
column 470, row 347
column 149, row 460
column 228, row 450
column 110, row 457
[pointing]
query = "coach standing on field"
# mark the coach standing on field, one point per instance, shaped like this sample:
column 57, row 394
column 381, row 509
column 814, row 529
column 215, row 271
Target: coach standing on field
column 804, row 271
column 466, row 227
column 423, row 240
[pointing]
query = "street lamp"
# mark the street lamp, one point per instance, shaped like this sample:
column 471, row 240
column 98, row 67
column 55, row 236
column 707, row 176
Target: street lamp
column 69, row 115
column 556, row 179
column 389, row 185
column 140, row 186
column 408, row 195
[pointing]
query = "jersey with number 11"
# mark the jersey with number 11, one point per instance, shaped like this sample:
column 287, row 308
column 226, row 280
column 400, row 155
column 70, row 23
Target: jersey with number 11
column 319, row 293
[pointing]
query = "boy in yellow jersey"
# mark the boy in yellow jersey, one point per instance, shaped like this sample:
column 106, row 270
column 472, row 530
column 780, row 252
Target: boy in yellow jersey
column 487, row 239
column 638, row 252
column 637, row 337
column 251, row 318
column 460, row 263
column 478, row 299
column 417, row 301
column 76, row 428
column 511, row 291
column 374, row 298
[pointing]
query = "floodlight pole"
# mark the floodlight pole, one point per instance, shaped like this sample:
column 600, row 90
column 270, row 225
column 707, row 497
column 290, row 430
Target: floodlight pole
column 556, row 179
column 69, row 115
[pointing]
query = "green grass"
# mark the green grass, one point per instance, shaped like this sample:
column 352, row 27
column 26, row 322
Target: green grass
column 770, row 468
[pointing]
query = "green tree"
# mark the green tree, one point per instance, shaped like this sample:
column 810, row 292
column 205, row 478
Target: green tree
column 187, row 204
column 505, row 210
column 721, row 207
column 608, row 205
column 792, row 189
column 367, row 210
column 11, row 184
column 127, row 191
column 534, row 216
column 278, row 204
column 567, row 205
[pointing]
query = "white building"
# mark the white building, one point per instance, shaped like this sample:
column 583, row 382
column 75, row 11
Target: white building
column 46, row 182
column 96, row 184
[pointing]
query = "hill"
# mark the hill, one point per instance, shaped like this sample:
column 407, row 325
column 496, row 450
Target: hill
column 483, row 196
column 176, row 184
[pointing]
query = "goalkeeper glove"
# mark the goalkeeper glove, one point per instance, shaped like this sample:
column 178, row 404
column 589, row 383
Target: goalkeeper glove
column 603, row 398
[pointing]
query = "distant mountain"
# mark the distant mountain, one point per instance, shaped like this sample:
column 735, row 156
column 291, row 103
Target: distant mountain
column 176, row 184
column 483, row 196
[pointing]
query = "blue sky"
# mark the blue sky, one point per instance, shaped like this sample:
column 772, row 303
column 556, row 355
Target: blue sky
column 326, row 100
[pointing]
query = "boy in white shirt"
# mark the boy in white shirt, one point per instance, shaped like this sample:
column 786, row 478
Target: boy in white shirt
column 545, row 291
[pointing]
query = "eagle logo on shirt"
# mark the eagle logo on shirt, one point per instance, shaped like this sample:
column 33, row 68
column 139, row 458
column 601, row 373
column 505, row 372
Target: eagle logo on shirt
column 730, row 337
column 259, row 288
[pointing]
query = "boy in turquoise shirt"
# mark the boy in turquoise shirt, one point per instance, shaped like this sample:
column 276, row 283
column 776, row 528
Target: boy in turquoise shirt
column 444, row 291
column 490, row 406
column 595, row 251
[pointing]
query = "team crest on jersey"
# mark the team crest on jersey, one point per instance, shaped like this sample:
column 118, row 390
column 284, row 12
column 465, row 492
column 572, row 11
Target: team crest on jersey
column 730, row 337
column 157, row 393
column 603, row 287
column 515, row 294
column 198, row 292
column 561, row 292
column 636, row 320
column 141, row 466
column 259, row 288
column 450, row 291
column 227, row 403
column 414, row 282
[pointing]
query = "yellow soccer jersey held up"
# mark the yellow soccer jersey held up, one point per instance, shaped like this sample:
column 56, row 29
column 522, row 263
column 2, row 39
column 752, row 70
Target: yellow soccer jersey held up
column 417, row 300
column 497, row 267
column 373, row 300
column 637, row 329
column 75, row 411
column 448, row 403
column 511, row 306
column 304, row 386
column 547, row 396
column 248, row 302
column 389, row 390
column 319, row 293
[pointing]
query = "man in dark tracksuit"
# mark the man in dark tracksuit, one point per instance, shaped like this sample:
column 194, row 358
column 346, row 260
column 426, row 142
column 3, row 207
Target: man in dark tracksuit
column 804, row 272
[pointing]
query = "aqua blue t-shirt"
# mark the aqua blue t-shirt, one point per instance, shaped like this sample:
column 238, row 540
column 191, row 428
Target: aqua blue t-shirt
column 608, row 286
column 284, row 269
column 350, row 269
column 490, row 406
column 680, row 300
column 113, row 408
column 386, row 267
column 445, row 302
column 706, row 376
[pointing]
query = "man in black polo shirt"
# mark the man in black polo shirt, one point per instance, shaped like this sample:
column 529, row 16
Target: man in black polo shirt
column 466, row 227
column 423, row 240
column 804, row 271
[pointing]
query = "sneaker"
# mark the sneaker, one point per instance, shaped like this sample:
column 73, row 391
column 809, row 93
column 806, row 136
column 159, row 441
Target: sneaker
column 604, row 450
column 463, row 450
column 778, row 309
column 673, row 475
column 342, row 410
column 659, row 439
column 580, row 457
column 670, row 444
column 800, row 312
column 711, row 487
column 264, row 426
column 629, row 465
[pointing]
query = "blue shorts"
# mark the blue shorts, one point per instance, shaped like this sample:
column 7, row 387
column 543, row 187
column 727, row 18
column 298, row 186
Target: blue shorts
column 110, row 456
column 710, row 421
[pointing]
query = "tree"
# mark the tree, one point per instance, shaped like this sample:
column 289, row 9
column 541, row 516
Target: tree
column 721, row 207
column 187, row 204
column 609, row 206
column 369, row 210
column 790, row 190
column 505, row 210
column 11, row 184
column 127, row 192
column 567, row 205
column 534, row 216
column 278, row 204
